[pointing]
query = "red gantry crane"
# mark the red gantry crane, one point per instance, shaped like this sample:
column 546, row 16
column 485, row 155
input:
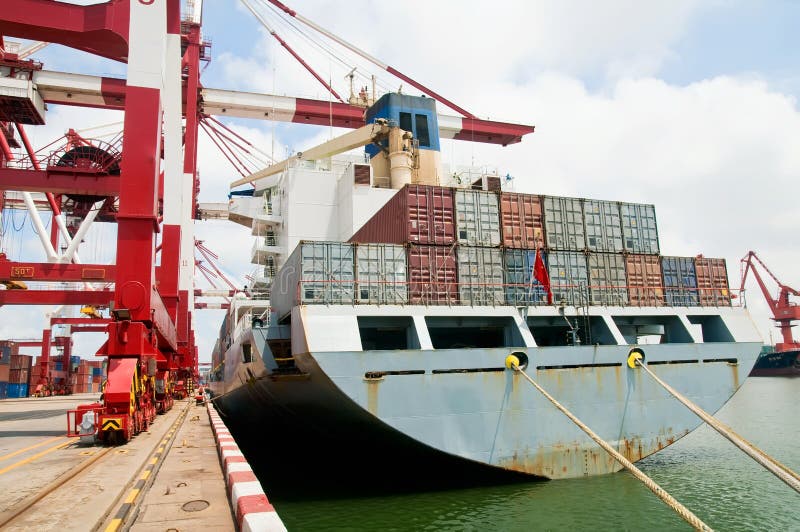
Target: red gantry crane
column 146, row 185
column 784, row 312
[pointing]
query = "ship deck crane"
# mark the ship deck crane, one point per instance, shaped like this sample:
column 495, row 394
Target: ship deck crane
column 784, row 312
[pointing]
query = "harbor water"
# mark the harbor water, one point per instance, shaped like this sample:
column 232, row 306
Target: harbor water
column 704, row 471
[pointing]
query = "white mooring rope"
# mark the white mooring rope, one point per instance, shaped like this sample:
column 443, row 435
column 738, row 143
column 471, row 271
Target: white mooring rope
column 673, row 503
column 773, row 466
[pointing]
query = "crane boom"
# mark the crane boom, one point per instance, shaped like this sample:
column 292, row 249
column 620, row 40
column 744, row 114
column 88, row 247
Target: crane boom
column 375, row 61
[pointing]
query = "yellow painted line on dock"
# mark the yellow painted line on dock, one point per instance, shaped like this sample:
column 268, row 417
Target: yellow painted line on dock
column 34, row 457
column 132, row 495
column 20, row 451
column 141, row 483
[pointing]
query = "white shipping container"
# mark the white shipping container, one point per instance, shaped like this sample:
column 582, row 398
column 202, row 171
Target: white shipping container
column 477, row 218
column 603, row 226
column 381, row 274
column 639, row 229
column 563, row 224
column 480, row 275
column 607, row 279
column 569, row 279
column 321, row 273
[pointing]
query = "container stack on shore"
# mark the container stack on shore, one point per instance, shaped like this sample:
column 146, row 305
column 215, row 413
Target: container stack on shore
column 20, row 374
column 434, row 245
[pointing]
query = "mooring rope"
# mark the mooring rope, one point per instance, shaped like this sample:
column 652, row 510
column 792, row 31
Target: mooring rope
column 773, row 466
column 512, row 362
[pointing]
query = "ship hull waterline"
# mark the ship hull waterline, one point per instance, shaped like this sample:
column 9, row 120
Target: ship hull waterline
column 408, row 416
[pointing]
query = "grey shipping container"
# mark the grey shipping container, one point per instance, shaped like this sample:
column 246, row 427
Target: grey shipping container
column 321, row 273
column 607, row 280
column 680, row 281
column 603, row 226
column 569, row 278
column 639, row 228
column 381, row 274
column 563, row 224
column 477, row 218
column 480, row 275
column 522, row 288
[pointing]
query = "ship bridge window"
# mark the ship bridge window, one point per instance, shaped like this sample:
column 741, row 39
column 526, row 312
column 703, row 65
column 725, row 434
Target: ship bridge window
column 457, row 332
column 384, row 333
column 422, row 133
column 639, row 330
column 712, row 328
column 405, row 122
column 570, row 330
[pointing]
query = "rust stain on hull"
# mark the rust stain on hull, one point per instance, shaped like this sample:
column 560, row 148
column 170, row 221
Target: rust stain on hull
column 576, row 459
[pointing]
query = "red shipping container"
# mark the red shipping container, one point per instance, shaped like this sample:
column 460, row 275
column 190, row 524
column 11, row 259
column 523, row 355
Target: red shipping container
column 4, row 371
column 644, row 280
column 417, row 214
column 432, row 275
column 521, row 221
column 21, row 362
column 712, row 282
column 18, row 376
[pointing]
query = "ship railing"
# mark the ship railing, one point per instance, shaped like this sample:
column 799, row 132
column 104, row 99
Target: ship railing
column 348, row 291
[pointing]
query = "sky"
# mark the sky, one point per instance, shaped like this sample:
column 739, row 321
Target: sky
column 688, row 105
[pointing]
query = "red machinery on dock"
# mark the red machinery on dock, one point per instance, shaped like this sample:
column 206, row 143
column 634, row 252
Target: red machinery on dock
column 147, row 185
column 150, row 340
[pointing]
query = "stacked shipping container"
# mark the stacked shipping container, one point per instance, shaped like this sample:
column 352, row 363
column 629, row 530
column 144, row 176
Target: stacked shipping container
column 712, row 282
column 476, row 247
column 19, row 375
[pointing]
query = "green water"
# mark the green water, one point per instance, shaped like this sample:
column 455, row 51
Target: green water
column 704, row 471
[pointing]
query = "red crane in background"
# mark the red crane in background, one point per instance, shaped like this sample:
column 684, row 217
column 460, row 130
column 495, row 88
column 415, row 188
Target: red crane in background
column 784, row 312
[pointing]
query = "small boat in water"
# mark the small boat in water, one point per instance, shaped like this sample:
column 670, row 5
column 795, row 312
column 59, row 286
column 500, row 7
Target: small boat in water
column 771, row 363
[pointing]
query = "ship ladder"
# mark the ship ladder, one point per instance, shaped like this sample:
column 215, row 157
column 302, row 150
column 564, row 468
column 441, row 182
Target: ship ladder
column 792, row 479
column 512, row 362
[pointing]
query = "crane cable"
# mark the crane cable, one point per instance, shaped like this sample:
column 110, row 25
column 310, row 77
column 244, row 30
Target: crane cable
column 512, row 362
column 792, row 479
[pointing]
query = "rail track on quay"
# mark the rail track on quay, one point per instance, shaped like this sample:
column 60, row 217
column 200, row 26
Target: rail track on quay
column 101, row 488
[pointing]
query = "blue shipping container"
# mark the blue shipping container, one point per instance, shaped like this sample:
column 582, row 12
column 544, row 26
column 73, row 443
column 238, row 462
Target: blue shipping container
column 3, row 390
column 522, row 288
column 74, row 360
column 59, row 366
column 97, row 371
column 16, row 390
column 680, row 281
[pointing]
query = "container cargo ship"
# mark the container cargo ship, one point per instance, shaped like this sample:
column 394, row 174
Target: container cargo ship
column 392, row 288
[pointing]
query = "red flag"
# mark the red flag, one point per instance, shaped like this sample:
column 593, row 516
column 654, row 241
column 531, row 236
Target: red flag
column 540, row 274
